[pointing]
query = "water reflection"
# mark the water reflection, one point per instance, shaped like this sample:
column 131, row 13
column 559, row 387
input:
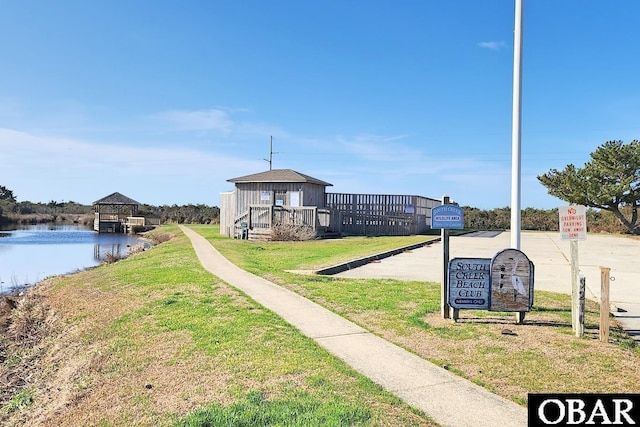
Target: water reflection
column 116, row 250
column 31, row 254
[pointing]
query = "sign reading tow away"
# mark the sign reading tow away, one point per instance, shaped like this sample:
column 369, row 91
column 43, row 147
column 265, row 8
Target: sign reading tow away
column 573, row 222
column 447, row 216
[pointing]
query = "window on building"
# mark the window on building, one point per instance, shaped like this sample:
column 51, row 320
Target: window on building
column 281, row 198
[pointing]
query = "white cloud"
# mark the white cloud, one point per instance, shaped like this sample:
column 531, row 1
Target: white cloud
column 389, row 165
column 39, row 167
column 42, row 168
column 379, row 148
column 202, row 120
column 492, row 45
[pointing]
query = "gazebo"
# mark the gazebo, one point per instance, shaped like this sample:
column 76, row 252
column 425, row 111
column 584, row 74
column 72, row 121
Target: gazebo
column 116, row 213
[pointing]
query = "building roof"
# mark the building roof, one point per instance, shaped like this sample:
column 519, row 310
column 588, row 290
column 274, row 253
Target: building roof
column 116, row 199
column 278, row 175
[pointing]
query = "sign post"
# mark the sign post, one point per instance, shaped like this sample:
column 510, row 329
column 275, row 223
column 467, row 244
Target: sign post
column 444, row 286
column 573, row 227
column 446, row 216
column 604, row 303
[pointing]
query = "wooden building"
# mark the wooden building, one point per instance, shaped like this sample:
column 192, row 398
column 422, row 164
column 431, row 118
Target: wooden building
column 286, row 197
column 279, row 187
column 276, row 196
column 117, row 213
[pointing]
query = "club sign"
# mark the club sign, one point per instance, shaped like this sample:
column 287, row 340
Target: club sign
column 469, row 285
column 501, row 283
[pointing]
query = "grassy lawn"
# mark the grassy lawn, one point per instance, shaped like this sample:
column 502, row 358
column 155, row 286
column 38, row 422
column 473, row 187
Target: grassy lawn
column 155, row 340
column 488, row 348
column 264, row 257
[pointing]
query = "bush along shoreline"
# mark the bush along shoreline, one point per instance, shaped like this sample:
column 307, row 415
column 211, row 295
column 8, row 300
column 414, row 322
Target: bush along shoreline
column 26, row 321
column 14, row 212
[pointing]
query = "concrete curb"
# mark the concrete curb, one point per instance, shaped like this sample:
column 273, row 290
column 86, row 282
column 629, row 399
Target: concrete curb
column 330, row 271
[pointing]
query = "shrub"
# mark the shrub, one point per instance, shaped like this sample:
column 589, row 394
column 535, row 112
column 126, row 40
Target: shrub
column 291, row 233
column 158, row 237
column 111, row 257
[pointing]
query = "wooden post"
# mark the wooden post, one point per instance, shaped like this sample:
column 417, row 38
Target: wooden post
column 315, row 219
column 581, row 301
column 444, row 288
column 604, row 303
column 575, row 286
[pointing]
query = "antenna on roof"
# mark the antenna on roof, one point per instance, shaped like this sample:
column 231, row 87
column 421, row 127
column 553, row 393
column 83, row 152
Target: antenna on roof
column 271, row 153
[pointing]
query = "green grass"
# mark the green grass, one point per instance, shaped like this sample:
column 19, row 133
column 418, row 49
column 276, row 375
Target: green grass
column 170, row 313
column 545, row 351
column 159, row 318
column 264, row 257
column 21, row 400
column 295, row 408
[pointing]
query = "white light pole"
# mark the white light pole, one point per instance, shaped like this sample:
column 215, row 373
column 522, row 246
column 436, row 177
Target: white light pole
column 515, row 130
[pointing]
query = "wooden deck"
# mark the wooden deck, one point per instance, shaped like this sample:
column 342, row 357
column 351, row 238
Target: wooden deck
column 381, row 214
column 258, row 222
column 346, row 214
column 113, row 223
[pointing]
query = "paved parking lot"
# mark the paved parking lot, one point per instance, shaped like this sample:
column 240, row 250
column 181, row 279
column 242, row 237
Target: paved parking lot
column 552, row 260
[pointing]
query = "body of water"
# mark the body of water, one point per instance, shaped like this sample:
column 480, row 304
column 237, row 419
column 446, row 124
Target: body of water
column 31, row 254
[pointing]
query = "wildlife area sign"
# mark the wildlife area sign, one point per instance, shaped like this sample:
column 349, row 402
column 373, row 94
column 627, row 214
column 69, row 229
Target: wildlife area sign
column 447, row 217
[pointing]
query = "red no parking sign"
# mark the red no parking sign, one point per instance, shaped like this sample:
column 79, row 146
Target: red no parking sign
column 573, row 222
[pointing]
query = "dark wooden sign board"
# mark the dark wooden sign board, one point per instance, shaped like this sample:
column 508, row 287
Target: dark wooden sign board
column 469, row 287
column 502, row 283
column 511, row 281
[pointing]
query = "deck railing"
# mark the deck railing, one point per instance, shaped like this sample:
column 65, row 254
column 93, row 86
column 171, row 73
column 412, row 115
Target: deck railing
column 107, row 217
column 114, row 223
column 260, row 219
column 134, row 221
column 345, row 214
column 381, row 214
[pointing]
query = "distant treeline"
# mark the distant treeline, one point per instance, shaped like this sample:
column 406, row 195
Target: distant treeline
column 35, row 213
column 537, row 219
column 474, row 218
column 12, row 212
column 183, row 214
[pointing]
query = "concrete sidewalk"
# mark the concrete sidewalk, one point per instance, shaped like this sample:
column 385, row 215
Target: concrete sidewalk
column 552, row 260
column 437, row 392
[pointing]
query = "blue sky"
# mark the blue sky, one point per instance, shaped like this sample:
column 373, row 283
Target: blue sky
column 165, row 101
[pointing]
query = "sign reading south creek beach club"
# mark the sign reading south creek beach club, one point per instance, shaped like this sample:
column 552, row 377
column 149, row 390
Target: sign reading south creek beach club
column 469, row 286
column 447, row 216
column 502, row 283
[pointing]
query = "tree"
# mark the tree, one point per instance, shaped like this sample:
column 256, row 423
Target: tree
column 6, row 194
column 609, row 181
